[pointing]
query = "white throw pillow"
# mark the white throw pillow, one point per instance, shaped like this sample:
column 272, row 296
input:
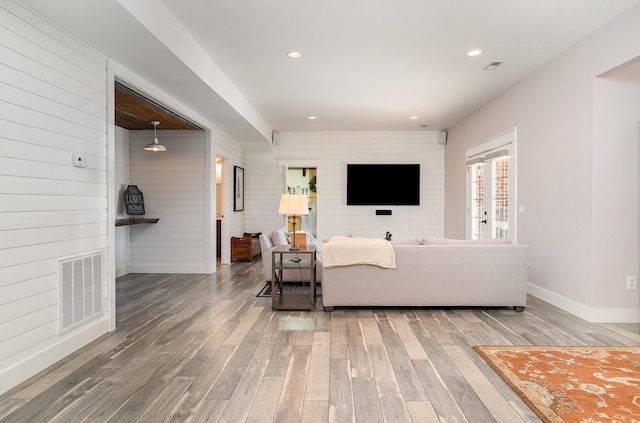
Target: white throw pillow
column 312, row 241
column 280, row 237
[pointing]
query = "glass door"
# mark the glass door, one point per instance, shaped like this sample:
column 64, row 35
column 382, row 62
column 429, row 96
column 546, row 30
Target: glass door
column 476, row 211
column 491, row 190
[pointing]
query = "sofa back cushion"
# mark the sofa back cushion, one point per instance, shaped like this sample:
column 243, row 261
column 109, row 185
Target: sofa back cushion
column 405, row 241
column 280, row 237
column 448, row 241
column 325, row 240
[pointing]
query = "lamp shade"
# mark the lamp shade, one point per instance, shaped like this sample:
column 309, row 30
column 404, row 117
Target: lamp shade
column 293, row 204
column 155, row 146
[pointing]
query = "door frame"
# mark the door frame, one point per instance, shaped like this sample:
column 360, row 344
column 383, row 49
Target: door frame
column 225, row 244
column 115, row 71
column 506, row 140
column 284, row 165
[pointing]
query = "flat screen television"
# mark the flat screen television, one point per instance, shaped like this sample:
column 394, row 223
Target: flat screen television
column 383, row 184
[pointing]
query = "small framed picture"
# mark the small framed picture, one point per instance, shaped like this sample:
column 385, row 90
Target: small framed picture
column 238, row 188
column 133, row 201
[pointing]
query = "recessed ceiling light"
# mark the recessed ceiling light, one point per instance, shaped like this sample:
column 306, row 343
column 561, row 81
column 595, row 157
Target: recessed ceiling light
column 294, row 54
column 312, row 118
column 413, row 117
column 475, row 52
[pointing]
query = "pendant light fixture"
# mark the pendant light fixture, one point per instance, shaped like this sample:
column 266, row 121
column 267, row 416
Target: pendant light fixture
column 155, row 145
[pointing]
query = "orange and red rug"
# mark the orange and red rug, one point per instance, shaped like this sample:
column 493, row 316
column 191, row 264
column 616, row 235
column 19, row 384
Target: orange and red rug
column 572, row 384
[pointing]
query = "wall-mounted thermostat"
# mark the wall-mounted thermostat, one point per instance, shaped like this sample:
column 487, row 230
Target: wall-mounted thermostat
column 79, row 160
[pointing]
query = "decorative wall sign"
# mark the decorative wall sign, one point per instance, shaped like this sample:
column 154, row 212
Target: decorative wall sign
column 133, row 201
column 238, row 188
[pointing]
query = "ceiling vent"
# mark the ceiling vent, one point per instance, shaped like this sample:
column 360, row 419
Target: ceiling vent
column 493, row 66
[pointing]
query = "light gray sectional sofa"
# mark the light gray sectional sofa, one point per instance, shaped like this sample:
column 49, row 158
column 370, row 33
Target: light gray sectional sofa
column 442, row 272
column 446, row 273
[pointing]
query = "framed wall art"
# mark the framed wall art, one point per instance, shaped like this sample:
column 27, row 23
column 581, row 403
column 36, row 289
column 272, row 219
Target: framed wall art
column 133, row 201
column 238, row 188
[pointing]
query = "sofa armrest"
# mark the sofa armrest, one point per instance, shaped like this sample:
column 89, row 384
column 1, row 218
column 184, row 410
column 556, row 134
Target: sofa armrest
column 266, row 247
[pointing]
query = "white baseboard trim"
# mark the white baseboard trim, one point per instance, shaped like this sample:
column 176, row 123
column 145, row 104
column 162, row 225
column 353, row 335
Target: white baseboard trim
column 52, row 353
column 599, row 315
column 615, row 315
column 122, row 270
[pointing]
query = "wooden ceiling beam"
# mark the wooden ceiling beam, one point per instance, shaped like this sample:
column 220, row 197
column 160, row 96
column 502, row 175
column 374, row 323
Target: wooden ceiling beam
column 135, row 112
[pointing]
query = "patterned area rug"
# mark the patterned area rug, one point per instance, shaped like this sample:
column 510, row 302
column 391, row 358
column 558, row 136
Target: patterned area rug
column 290, row 288
column 572, row 384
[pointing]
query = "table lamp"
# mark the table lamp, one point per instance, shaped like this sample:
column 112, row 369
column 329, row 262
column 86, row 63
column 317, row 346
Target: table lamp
column 294, row 205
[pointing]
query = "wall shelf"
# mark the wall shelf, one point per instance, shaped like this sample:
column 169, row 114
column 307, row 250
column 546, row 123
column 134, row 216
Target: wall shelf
column 127, row 222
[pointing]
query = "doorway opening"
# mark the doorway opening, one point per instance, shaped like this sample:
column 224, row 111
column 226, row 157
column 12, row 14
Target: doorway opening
column 303, row 180
column 219, row 208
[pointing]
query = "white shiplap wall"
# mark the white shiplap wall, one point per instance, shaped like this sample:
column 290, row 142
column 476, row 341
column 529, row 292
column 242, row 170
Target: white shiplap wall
column 332, row 151
column 264, row 185
column 233, row 222
column 52, row 104
column 174, row 187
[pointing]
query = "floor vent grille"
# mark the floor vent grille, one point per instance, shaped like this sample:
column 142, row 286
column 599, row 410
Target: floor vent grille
column 80, row 290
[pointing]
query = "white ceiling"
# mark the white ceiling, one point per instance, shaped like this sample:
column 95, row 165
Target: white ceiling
column 367, row 64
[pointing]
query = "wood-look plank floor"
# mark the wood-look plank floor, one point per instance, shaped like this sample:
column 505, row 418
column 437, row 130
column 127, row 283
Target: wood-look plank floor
column 203, row 348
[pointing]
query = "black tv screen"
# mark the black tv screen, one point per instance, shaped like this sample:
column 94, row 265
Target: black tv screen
column 383, row 184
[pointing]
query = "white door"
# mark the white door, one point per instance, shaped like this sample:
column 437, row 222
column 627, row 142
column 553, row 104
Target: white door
column 491, row 186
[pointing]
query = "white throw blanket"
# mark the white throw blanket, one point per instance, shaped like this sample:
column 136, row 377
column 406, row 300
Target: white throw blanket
column 345, row 251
